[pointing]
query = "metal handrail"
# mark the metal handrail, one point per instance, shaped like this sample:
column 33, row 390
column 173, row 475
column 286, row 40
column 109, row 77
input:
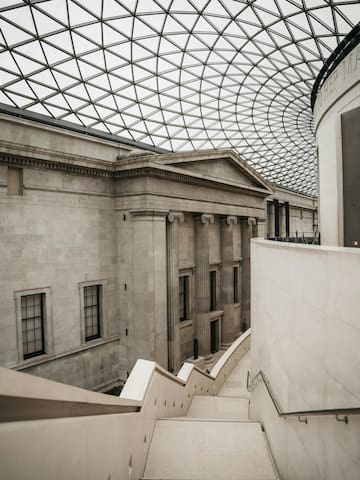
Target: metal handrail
column 347, row 44
column 337, row 412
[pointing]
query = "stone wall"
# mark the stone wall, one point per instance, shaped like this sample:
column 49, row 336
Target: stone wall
column 58, row 234
column 81, row 211
column 305, row 338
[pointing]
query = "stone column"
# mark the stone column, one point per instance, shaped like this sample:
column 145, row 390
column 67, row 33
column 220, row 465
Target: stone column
column 260, row 222
column 148, row 322
column 202, row 283
column 227, row 280
column 282, row 220
column 247, row 232
column 173, row 289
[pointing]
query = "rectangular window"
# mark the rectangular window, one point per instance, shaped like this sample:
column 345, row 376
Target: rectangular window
column 213, row 290
column 236, row 284
column 184, row 298
column 32, row 320
column 92, row 311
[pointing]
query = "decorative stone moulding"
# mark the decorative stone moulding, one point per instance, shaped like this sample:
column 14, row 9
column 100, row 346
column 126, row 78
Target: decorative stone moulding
column 148, row 212
column 176, row 216
column 206, row 217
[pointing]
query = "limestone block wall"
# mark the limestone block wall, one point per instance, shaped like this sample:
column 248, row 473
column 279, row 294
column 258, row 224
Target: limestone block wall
column 214, row 242
column 58, row 234
column 186, row 242
column 305, row 338
column 141, row 270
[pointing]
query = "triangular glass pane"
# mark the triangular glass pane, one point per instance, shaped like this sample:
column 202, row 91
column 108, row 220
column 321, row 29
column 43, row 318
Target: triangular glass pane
column 26, row 66
column 56, row 8
column 12, row 34
column 78, row 15
column 45, row 24
column 21, row 17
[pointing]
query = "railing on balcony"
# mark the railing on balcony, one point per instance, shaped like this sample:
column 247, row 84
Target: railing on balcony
column 307, row 238
column 348, row 43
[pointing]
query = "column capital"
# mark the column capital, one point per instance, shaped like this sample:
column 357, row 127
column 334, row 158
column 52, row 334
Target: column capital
column 176, row 216
column 250, row 221
column 231, row 219
column 207, row 218
column 260, row 220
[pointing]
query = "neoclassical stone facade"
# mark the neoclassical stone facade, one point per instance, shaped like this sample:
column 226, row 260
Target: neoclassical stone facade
column 190, row 218
column 113, row 251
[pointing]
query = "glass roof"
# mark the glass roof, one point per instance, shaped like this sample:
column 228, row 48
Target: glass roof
column 179, row 74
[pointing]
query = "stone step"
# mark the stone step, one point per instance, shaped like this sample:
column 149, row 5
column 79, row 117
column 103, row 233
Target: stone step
column 218, row 408
column 208, row 450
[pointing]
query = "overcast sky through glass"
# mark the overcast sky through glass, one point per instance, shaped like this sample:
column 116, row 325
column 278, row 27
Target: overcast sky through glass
column 179, row 74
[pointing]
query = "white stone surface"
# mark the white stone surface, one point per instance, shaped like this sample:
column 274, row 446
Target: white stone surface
column 328, row 139
column 202, row 449
column 219, row 408
column 305, row 338
column 100, row 446
column 235, row 384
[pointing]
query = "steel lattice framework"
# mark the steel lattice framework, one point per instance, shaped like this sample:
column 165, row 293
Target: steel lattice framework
column 179, row 74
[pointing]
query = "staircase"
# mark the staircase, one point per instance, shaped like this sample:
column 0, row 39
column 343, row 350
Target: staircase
column 215, row 440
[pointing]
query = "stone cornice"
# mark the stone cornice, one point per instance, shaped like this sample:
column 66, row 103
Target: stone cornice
column 110, row 171
column 149, row 212
column 20, row 161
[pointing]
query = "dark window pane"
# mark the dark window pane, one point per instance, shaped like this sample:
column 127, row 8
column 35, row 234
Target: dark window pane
column 32, row 320
column 184, row 298
column 236, row 285
column 213, row 290
column 92, row 311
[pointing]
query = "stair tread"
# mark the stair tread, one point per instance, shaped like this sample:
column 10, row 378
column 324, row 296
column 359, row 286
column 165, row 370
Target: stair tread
column 219, row 408
column 194, row 450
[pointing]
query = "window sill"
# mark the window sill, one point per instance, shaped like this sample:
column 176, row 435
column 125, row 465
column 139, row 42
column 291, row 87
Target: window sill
column 216, row 313
column 185, row 323
column 41, row 359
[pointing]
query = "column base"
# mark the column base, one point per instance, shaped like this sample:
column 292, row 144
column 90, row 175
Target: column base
column 209, row 359
column 198, row 362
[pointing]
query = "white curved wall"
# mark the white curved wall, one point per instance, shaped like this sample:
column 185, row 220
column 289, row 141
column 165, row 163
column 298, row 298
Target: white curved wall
column 339, row 94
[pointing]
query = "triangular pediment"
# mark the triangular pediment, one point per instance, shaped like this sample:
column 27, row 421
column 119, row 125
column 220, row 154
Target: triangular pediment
column 217, row 165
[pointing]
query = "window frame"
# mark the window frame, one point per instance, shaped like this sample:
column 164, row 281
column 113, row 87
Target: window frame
column 101, row 292
column 97, row 323
column 46, row 300
column 27, row 320
column 236, row 284
column 213, row 290
column 185, row 306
